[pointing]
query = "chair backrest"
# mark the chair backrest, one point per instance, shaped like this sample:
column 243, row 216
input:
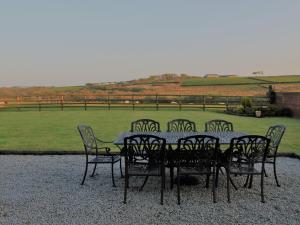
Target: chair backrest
column 218, row 125
column 144, row 148
column 197, row 151
column 275, row 134
column 246, row 150
column 88, row 137
column 181, row 125
column 145, row 125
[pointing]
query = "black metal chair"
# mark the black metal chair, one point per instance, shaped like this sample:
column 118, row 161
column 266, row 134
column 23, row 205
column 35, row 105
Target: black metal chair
column 218, row 126
column 243, row 153
column 177, row 125
column 145, row 125
column 92, row 149
column 181, row 125
column 144, row 156
column 275, row 134
column 196, row 155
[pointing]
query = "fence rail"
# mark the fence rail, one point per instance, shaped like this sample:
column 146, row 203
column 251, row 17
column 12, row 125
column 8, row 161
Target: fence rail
column 157, row 102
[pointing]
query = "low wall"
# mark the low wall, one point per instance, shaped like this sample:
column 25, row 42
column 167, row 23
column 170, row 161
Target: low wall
column 290, row 100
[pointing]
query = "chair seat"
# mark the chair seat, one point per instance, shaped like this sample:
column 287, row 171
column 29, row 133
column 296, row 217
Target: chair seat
column 105, row 159
column 144, row 169
column 244, row 169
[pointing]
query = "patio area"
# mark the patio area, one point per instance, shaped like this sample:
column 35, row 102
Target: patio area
column 47, row 190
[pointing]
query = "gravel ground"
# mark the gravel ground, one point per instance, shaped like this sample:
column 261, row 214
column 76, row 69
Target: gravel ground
column 47, row 190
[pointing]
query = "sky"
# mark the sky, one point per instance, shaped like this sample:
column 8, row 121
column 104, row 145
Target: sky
column 73, row 42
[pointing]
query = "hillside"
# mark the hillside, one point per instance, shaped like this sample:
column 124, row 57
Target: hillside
column 168, row 84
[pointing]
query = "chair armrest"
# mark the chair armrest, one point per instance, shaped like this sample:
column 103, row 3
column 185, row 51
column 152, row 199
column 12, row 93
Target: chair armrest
column 101, row 141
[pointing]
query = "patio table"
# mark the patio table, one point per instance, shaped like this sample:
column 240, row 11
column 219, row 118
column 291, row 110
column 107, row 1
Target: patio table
column 172, row 137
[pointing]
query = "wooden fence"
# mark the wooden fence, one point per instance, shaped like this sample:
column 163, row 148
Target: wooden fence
column 133, row 102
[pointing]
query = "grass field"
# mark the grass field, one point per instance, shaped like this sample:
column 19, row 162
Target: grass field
column 240, row 80
column 281, row 79
column 219, row 81
column 56, row 130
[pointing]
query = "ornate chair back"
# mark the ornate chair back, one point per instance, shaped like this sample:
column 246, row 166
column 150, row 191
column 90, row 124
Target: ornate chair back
column 181, row 125
column 88, row 137
column 145, row 125
column 275, row 134
column 218, row 125
column 148, row 149
column 197, row 151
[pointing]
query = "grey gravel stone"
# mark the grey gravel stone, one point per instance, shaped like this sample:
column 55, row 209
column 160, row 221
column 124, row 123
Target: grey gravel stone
column 47, row 190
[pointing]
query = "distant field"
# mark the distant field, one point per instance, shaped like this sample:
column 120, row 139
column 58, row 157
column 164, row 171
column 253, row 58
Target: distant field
column 161, row 85
column 56, row 130
column 240, row 80
column 281, row 79
column 220, row 81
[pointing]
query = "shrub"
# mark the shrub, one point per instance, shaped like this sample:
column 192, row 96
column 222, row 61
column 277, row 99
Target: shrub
column 246, row 102
column 271, row 95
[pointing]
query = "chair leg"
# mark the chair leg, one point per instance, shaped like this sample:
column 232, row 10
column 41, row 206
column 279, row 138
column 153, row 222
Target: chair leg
column 221, row 171
column 112, row 175
column 214, row 185
column 207, row 181
column 171, row 177
column 144, row 183
column 163, row 173
column 251, row 176
column 178, row 187
column 86, row 169
column 246, row 183
column 217, row 177
column 233, row 184
column 228, row 186
column 262, row 187
column 93, row 173
column 125, row 188
column 251, row 181
column 127, row 181
column 122, row 176
column 265, row 172
column 162, row 189
column 275, row 174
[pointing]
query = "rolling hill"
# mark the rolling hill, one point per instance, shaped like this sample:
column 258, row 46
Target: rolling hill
column 168, row 84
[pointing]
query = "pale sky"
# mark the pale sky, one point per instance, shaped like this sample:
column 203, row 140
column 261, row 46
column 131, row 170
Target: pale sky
column 73, row 42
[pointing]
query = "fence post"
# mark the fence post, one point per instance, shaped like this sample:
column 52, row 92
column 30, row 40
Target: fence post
column 62, row 102
column 85, row 103
column 203, row 107
column 108, row 102
column 179, row 102
column 18, row 103
column 40, row 107
column 227, row 103
column 132, row 99
column 156, row 100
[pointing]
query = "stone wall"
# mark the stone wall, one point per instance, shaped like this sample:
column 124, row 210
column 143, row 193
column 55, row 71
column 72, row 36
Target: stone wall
column 290, row 100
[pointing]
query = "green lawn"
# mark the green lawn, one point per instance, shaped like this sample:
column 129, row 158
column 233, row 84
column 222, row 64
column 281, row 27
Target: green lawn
column 56, row 130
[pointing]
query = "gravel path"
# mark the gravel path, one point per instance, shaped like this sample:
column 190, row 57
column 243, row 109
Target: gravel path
column 46, row 190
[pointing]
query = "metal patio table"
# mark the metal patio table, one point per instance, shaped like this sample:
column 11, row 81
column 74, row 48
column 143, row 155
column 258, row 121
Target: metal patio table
column 172, row 137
